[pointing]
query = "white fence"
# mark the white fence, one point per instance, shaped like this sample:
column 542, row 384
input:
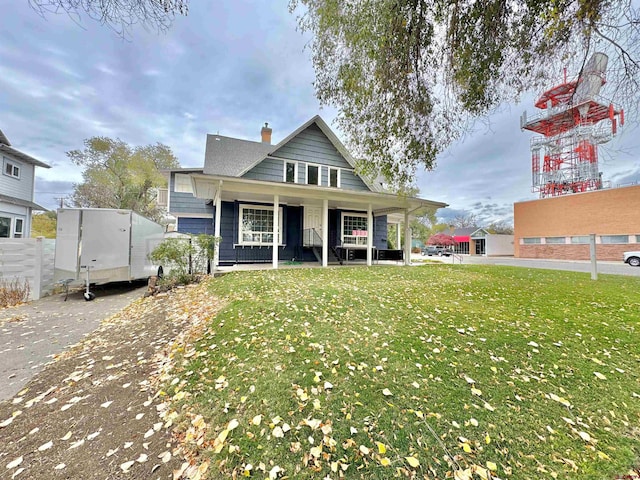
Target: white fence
column 29, row 259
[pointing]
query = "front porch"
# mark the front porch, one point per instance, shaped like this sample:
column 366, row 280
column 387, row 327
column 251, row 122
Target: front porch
column 273, row 223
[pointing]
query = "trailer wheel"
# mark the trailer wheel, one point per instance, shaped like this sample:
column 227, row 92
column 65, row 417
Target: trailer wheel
column 88, row 296
column 160, row 272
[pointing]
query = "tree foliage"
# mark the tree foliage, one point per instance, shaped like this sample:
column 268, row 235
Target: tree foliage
column 119, row 176
column 442, row 239
column 407, row 75
column 500, row 227
column 44, row 225
column 119, row 15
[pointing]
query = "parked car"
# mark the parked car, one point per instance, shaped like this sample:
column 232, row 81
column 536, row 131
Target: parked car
column 437, row 250
column 632, row 258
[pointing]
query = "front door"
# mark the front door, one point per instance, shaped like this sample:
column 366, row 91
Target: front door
column 480, row 246
column 312, row 220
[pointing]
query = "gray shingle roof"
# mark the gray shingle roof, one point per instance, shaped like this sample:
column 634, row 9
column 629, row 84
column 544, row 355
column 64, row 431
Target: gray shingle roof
column 21, row 202
column 231, row 156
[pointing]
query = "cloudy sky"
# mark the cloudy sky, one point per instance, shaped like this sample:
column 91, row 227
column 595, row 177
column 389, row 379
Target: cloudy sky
column 227, row 68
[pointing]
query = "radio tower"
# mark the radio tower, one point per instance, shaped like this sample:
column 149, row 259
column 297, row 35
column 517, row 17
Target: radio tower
column 573, row 121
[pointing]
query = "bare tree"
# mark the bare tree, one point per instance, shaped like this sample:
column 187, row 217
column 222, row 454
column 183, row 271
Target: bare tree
column 119, row 15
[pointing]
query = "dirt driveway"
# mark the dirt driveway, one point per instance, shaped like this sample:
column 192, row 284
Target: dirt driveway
column 32, row 334
column 94, row 412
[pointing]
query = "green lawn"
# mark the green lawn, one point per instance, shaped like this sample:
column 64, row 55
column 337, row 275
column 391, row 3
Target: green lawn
column 425, row 372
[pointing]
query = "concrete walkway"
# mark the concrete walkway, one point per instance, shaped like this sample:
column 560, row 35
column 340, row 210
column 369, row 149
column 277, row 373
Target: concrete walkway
column 611, row 268
column 32, row 334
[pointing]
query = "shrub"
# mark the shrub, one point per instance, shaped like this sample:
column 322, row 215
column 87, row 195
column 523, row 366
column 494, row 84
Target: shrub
column 13, row 292
column 416, row 250
column 184, row 258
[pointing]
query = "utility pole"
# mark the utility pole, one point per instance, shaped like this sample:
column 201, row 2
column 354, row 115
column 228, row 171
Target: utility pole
column 61, row 201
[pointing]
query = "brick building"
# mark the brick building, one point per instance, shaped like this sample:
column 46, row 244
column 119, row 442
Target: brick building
column 559, row 227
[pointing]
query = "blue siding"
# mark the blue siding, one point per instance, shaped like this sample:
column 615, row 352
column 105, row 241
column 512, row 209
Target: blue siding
column 269, row 169
column 195, row 225
column 380, row 232
column 230, row 251
column 180, row 202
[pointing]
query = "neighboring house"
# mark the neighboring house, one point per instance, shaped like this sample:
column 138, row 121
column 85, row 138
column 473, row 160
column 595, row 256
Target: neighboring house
column 17, row 184
column 478, row 241
column 298, row 200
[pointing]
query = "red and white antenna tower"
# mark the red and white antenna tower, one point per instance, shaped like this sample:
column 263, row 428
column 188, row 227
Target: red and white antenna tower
column 573, row 121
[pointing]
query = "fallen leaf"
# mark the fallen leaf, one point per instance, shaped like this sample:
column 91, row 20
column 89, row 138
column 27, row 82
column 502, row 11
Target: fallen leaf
column 413, row 461
column 14, row 463
column 386, row 392
column 126, row 466
column 45, row 446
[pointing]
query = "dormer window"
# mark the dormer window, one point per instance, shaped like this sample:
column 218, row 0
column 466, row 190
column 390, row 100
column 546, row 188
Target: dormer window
column 291, row 172
column 313, row 174
column 11, row 169
column 334, row 177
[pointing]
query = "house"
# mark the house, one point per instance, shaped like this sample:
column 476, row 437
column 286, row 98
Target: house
column 560, row 227
column 478, row 241
column 17, row 187
column 301, row 199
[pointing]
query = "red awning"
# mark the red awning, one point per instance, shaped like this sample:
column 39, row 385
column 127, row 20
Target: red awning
column 461, row 238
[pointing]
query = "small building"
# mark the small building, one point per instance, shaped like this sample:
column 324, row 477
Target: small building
column 478, row 241
column 560, row 227
column 17, row 190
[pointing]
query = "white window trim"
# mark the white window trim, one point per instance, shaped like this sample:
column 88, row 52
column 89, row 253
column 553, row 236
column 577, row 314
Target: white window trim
column 17, row 232
column 241, row 241
column 13, row 165
column 339, row 175
column 182, row 189
column 284, row 171
column 353, row 214
column 306, row 178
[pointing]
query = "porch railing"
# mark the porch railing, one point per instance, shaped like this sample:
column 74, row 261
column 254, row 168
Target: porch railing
column 311, row 238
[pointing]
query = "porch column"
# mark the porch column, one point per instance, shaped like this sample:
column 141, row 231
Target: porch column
column 398, row 237
column 369, row 236
column 216, row 227
column 325, row 232
column 276, row 225
column 407, row 239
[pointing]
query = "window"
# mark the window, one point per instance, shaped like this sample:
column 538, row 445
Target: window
column 354, row 229
column 256, row 225
column 313, row 174
column 11, row 169
column 291, row 172
column 555, row 240
column 5, row 227
column 531, row 240
column 580, row 239
column 334, row 177
column 614, row 238
column 18, row 228
column 182, row 183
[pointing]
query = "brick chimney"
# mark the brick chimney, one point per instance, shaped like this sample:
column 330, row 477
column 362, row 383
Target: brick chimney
column 266, row 134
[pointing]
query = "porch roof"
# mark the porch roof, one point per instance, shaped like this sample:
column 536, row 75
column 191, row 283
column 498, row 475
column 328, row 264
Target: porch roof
column 234, row 188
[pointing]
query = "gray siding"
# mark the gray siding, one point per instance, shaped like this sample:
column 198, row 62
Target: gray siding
column 269, row 169
column 312, row 145
column 185, row 202
column 309, row 146
column 22, row 187
column 350, row 181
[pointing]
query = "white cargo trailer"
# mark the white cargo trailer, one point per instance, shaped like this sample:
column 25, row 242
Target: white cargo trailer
column 101, row 245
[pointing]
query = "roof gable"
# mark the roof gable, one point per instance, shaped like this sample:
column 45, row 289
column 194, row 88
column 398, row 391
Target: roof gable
column 4, row 140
